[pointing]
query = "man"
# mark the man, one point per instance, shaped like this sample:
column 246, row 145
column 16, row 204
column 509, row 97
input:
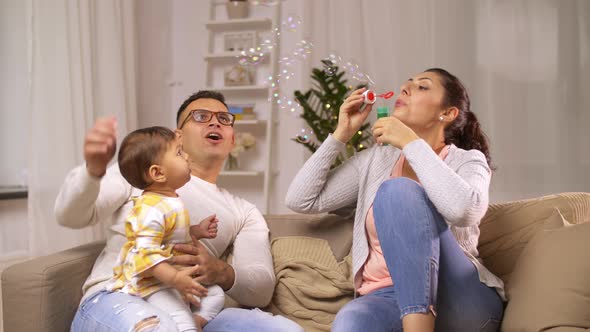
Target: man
column 92, row 193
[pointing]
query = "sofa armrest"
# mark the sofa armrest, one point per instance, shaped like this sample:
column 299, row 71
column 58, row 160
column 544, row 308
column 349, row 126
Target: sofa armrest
column 43, row 294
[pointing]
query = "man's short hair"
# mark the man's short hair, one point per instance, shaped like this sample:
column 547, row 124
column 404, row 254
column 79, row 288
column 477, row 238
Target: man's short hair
column 140, row 150
column 202, row 94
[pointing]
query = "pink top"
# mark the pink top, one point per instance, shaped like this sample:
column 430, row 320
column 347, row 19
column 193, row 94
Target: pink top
column 375, row 272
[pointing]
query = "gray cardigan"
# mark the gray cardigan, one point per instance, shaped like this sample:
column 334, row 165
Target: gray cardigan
column 458, row 188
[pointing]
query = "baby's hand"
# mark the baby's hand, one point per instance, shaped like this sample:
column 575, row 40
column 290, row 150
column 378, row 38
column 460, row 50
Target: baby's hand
column 206, row 229
column 183, row 281
column 191, row 299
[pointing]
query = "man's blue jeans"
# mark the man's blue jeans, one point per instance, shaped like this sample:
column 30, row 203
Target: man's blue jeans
column 428, row 268
column 116, row 311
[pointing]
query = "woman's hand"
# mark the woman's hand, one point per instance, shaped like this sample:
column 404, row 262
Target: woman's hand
column 349, row 118
column 390, row 130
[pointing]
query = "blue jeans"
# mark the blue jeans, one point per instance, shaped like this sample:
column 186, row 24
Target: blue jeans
column 116, row 311
column 429, row 269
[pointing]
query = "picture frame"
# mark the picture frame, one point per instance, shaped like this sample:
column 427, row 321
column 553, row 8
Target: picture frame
column 239, row 41
column 238, row 75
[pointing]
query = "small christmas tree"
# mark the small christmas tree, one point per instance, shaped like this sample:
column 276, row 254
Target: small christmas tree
column 321, row 105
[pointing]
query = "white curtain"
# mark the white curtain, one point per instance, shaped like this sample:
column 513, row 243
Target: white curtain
column 526, row 64
column 82, row 66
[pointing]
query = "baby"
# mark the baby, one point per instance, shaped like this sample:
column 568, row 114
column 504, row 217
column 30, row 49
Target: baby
column 152, row 159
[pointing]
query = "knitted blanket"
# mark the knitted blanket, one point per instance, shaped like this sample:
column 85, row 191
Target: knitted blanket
column 311, row 285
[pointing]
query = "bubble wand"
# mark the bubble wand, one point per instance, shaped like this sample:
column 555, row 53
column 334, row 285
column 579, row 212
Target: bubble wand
column 370, row 97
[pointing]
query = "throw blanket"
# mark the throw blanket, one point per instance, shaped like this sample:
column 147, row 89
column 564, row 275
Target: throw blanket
column 311, row 285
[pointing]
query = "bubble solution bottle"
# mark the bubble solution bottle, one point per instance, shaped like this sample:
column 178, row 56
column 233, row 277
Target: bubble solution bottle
column 382, row 112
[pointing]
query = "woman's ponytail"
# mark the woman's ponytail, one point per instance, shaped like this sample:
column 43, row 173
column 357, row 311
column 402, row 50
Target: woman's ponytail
column 465, row 131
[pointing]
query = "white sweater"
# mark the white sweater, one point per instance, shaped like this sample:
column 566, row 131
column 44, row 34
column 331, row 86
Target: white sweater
column 458, row 188
column 85, row 200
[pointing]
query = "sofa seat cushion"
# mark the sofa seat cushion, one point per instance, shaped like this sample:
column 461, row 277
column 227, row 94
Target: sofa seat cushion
column 550, row 285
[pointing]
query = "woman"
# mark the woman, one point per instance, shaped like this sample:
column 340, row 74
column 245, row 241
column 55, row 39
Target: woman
column 419, row 200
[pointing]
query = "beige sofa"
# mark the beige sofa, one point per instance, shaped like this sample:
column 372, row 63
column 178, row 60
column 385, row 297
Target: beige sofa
column 311, row 262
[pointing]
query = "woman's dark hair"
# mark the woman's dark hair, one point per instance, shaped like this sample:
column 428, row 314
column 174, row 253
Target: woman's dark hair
column 465, row 131
column 202, row 94
column 140, row 150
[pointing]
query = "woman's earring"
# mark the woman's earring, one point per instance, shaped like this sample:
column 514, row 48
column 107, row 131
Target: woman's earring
column 441, row 118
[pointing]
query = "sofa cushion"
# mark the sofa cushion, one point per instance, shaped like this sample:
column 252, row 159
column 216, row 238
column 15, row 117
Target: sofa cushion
column 337, row 231
column 507, row 227
column 550, row 286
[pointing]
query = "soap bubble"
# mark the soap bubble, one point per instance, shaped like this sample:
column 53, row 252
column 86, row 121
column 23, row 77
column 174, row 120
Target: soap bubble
column 287, row 61
column 252, row 56
column 329, row 67
column 302, row 49
column 351, row 68
column 292, row 23
column 269, row 42
column 304, row 135
column 335, row 58
column 287, row 104
column 300, row 52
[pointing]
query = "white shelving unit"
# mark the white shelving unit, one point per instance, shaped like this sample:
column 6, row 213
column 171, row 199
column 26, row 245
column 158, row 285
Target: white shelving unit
column 249, row 122
column 227, row 56
column 237, row 24
column 241, row 173
column 254, row 178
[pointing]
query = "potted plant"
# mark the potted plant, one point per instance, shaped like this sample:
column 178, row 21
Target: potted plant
column 237, row 9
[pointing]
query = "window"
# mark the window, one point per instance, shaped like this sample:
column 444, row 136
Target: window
column 14, row 99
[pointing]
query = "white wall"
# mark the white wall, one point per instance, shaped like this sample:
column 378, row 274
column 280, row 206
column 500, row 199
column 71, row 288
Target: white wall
column 13, row 224
column 154, row 62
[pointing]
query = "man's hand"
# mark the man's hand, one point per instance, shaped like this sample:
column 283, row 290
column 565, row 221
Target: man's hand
column 100, row 145
column 209, row 269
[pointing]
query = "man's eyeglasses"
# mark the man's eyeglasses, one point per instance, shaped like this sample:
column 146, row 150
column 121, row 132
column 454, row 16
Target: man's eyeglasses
column 204, row 116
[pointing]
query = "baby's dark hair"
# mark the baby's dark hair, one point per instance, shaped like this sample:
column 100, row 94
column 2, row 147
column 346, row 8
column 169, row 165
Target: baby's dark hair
column 140, row 150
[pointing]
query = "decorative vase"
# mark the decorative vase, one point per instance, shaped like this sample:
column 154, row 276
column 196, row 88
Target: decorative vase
column 237, row 9
column 231, row 164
